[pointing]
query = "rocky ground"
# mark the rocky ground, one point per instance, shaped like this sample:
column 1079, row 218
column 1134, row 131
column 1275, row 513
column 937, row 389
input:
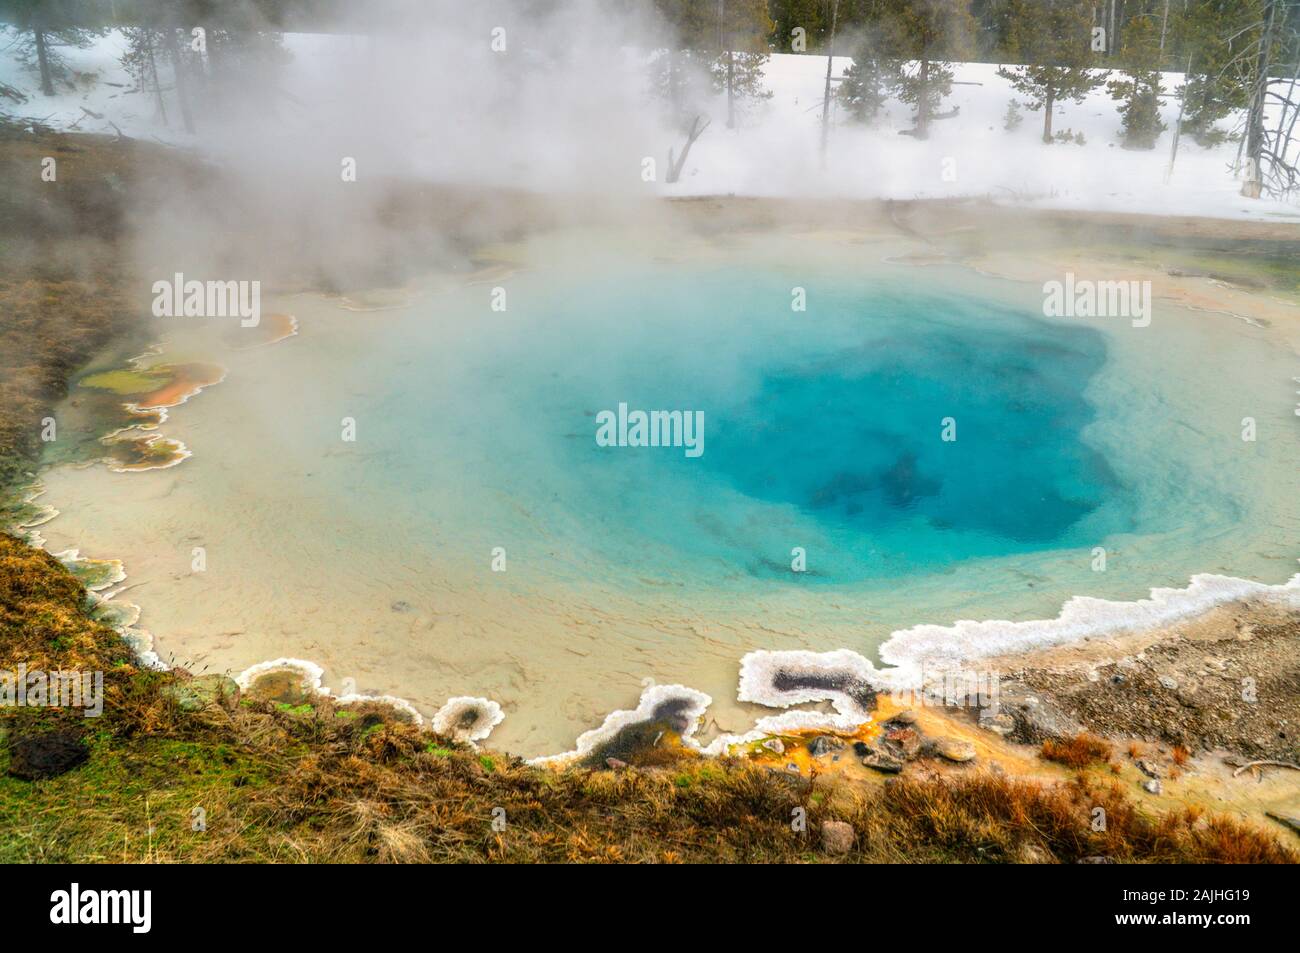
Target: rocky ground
column 1203, row 714
column 1237, row 691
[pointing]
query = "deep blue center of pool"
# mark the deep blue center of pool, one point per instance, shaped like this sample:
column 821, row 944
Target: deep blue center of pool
column 969, row 431
column 824, row 429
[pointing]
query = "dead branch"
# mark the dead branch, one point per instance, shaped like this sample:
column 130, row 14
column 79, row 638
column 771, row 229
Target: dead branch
column 675, row 166
column 1276, row 764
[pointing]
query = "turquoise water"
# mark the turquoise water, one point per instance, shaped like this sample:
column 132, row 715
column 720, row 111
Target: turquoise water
column 822, row 429
column 856, row 440
column 823, row 433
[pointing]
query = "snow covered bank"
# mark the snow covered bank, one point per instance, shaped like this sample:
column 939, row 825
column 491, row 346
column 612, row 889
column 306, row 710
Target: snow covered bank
column 774, row 151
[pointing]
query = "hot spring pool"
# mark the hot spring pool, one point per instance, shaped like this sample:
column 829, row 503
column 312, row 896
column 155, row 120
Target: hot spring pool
column 920, row 441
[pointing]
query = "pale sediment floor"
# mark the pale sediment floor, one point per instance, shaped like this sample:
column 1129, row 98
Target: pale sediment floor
column 374, row 557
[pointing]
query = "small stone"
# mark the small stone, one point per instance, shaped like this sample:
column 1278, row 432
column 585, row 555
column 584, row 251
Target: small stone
column 39, row 756
column 197, row 693
column 1033, row 854
column 837, row 837
column 1096, row 859
column 775, row 745
column 904, row 741
column 1149, row 769
column 1035, row 718
column 1151, row 787
column 953, row 749
column 792, row 768
column 999, row 722
column 824, row 745
column 1167, row 682
column 614, row 764
column 400, row 606
column 882, row 762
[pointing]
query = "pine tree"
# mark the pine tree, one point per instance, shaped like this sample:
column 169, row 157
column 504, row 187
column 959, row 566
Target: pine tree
column 866, row 82
column 743, row 29
column 1220, row 37
column 923, row 36
column 675, row 72
column 1138, row 89
column 1011, row 119
column 47, row 25
column 140, row 60
column 1052, row 40
column 810, row 16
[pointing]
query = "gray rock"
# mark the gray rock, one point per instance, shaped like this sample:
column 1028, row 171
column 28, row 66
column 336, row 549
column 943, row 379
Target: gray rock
column 1035, row 717
column 1151, row 787
column 824, row 745
column 614, row 764
column 1001, row 723
column 197, row 693
column 837, row 837
column 953, row 749
column 1033, row 854
column 904, row 743
column 1149, row 769
column 880, row 761
column 1096, row 859
column 1168, row 682
column 36, row 757
column 774, row 745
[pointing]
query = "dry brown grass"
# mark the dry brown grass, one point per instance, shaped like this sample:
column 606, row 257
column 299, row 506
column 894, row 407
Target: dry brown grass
column 42, row 622
column 1077, row 752
column 995, row 817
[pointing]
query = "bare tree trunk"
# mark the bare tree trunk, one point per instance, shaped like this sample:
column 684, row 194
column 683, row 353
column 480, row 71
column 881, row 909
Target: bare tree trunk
column 724, row 46
column 178, row 71
column 731, row 90
column 675, row 165
column 1253, row 184
column 826, row 101
column 1048, row 102
column 153, row 71
column 43, row 58
column 1178, row 124
column 674, row 88
column 923, row 102
column 1164, row 28
column 1283, row 139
